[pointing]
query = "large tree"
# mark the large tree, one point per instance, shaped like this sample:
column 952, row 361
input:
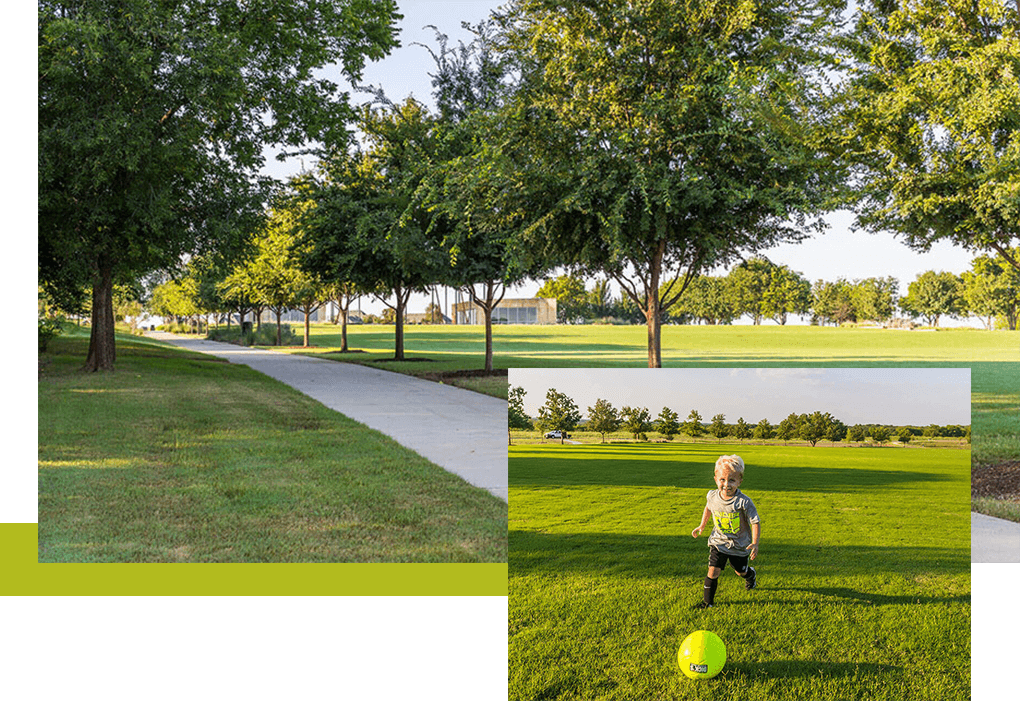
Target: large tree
column 603, row 418
column 515, row 415
column 471, row 85
column 659, row 139
column 153, row 118
column 992, row 290
column 932, row 120
column 363, row 227
column 934, row 295
column 559, row 413
column 761, row 289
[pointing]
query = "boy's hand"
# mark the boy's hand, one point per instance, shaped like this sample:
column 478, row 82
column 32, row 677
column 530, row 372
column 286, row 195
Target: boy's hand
column 753, row 547
column 697, row 531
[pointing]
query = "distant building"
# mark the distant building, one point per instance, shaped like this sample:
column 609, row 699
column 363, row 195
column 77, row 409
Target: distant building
column 423, row 318
column 537, row 310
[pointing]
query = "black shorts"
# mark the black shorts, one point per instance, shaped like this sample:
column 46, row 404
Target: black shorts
column 719, row 559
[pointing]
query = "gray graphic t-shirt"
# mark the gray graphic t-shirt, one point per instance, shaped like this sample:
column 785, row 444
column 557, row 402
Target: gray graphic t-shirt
column 731, row 519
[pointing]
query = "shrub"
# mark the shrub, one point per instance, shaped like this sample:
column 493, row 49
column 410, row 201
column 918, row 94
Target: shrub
column 48, row 328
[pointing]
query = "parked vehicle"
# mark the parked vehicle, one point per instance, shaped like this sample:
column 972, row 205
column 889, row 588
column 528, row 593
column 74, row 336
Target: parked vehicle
column 557, row 434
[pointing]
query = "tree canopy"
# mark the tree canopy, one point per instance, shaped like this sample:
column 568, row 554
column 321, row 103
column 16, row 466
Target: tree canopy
column 660, row 139
column 931, row 120
column 153, row 118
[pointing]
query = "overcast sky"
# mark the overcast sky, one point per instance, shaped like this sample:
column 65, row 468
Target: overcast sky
column 899, row 396
column 840, row 252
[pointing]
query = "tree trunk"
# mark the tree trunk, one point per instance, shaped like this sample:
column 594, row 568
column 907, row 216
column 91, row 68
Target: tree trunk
column 654, row 313
column 399, row 320
column 343, row 331
column 102, row 351
column 654, row 335
column 487, row 306
column 278, row 335
column 488, row 337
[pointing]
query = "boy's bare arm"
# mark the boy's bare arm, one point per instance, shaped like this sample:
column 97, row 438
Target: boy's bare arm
column 705, row 518
column 755, row 536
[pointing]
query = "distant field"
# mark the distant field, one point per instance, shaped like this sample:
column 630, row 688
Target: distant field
column 993, row 356
column 521, row 437
column 625, row 346
column 864, row 574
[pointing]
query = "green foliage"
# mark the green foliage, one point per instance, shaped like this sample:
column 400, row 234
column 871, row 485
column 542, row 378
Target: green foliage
column 559, row 413
column 762, row 289
column 741, row 430
column 934, row 295
column 364, row 226
column 692, row 427
column 570, row 295
column 842, row 301
column 603, row 418
column 991, row 289
column 932, row 117
column 668, row 423
column 880, row 434
column 153, row 119
column 516, row 417
column 636, row 421
column 856, row 434
column 690, row 144
column 763, row 430
column 49, row 328
column 708, row 299
column 904, row 435
column 718, row 427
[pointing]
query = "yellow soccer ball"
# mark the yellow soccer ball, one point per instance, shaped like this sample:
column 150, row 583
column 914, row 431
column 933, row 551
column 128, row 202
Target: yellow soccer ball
column 702, row 655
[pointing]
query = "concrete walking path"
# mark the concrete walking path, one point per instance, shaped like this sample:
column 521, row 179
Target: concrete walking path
column 993, row 539
column 459, row 430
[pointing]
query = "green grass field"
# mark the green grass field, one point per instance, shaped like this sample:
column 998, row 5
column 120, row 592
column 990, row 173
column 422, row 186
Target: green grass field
column 864, row 574
column 993, row 357
column 458, row 347
column 180, row 457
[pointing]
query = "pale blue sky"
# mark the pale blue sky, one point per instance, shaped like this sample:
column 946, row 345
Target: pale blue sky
column 838, row 253
column 897, row 396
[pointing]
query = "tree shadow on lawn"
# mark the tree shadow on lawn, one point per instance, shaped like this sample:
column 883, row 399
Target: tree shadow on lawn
column 682, row 558
column 623, row 465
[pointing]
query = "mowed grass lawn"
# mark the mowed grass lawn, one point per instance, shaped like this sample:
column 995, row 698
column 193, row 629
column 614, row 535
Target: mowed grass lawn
column 864, row 574
column 993, row 356
column 179, row 457
column 519, row 346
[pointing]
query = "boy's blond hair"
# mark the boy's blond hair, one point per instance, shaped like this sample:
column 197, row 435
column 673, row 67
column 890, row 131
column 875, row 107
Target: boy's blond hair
column 730, row 463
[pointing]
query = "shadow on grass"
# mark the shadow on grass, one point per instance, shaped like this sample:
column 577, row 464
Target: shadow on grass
column 658, row 556
column 644, row 466
column 791, row 669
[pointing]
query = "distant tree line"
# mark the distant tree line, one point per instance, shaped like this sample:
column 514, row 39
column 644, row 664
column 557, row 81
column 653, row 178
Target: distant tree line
column 561, row 413
column 760, row 290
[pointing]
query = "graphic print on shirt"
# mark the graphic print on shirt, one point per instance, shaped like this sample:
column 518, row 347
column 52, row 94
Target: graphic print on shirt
column 728, row 523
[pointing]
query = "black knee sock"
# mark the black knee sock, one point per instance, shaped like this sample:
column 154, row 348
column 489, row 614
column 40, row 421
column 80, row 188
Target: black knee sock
column 710, row 585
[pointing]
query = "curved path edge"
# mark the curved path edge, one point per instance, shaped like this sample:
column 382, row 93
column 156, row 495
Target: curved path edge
column 459, row 430
column 993, row 539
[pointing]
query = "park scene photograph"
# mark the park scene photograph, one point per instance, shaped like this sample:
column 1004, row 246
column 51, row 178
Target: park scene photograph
column 852, row 488
column 297, row 260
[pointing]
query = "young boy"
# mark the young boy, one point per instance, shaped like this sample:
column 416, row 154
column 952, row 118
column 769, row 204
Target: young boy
column 735, row 530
